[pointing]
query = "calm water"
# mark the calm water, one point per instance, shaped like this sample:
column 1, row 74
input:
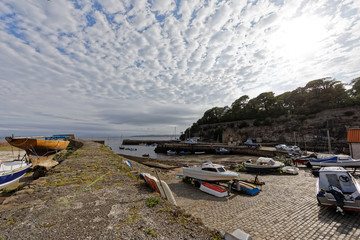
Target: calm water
column 115, row 142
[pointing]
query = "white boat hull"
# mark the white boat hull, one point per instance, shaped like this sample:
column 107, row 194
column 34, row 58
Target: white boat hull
column 336, row 164
column 213, row 189
column 209, row 176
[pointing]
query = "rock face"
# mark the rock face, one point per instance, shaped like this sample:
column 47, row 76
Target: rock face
column 311, row 130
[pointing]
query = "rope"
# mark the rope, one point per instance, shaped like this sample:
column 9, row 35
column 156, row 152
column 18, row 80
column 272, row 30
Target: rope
column 89, row 185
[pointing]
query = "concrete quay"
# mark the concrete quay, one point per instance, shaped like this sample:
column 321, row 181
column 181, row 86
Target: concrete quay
column 211, row 149
column 286, row 208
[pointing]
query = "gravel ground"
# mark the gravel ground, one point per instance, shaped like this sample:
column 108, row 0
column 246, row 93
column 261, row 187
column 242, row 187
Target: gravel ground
column 92, row 195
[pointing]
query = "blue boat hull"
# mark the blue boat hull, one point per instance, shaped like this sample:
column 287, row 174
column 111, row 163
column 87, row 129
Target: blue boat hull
column 9, row 178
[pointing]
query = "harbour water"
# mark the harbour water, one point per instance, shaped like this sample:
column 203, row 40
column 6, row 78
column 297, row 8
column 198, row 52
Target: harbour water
column 116, row 142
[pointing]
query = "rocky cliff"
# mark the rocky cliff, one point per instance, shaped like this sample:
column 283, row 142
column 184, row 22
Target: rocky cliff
column 309, row 131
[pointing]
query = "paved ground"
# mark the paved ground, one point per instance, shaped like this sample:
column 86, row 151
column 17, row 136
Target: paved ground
column 286, row 208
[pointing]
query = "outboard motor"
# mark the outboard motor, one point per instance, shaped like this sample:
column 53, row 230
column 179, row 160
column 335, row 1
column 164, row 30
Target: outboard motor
column 339, row 197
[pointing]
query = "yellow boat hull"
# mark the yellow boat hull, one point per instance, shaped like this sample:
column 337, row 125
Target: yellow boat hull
column 37, row 146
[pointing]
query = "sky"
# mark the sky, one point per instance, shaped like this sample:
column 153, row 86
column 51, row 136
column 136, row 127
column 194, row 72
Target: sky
column 121, row 68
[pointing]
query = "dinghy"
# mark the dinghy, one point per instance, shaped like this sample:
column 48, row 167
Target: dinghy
column 213, row 189
column 245, row 187
column 338, row 188
column 290, row 170
column 159, row 186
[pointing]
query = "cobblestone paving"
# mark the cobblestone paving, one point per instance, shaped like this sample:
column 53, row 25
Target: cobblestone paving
column 286, row 208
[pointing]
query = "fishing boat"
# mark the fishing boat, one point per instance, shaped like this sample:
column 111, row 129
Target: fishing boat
column 337, row 188
column 245, row 187
column 12, row 171
column 209, row 171
column 39, row 145
column 222, row 151
column 263, row 164
column 338, row 160
column 213, row 189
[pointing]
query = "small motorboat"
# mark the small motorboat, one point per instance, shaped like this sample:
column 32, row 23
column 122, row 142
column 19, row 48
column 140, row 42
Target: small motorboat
column 339, row 189
column 263, row 164
column 337, row 160
column 146, row 155
column 290, row 170
column 245, row 187
column 214, row 189
column 12, row 171
column 222, row 151
column 305, row 159
column 171, row 152
column 209, row 171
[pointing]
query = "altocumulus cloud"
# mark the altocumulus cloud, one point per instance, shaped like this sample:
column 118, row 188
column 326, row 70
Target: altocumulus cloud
column 130, row 67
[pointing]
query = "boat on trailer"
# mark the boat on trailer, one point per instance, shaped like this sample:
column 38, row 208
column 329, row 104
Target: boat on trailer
column 12, row 171
column 337, row 188
column 209, row 171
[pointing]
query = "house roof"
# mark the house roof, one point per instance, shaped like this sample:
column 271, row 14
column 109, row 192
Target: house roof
column 353, row 135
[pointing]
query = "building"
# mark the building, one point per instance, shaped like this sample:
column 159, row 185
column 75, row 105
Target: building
column 353, row 138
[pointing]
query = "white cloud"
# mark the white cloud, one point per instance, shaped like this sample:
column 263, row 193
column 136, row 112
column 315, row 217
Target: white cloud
column 111, row 66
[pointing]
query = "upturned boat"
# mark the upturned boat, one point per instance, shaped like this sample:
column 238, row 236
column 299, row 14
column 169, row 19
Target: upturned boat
column 263, row 164
column 12, row 171
column 338, row 160
column 38, row 145
column 214, row 189
column 209, row 171
column 337, row 188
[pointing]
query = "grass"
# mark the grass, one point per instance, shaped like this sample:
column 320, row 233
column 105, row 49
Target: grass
column 152, row 201
column 151, row 232
column 10, row 148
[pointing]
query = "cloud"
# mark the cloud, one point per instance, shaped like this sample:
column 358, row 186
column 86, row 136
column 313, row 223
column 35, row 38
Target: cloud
column 108, row 67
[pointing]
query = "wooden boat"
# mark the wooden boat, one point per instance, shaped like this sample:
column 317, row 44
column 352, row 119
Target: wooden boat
column 12, row 171
column 245, row 187
column 159, row 186
column 38, row 145
column 338, row 160
column 339, row 189
column 213, row 189
column 209, row 171
column 263, row 164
